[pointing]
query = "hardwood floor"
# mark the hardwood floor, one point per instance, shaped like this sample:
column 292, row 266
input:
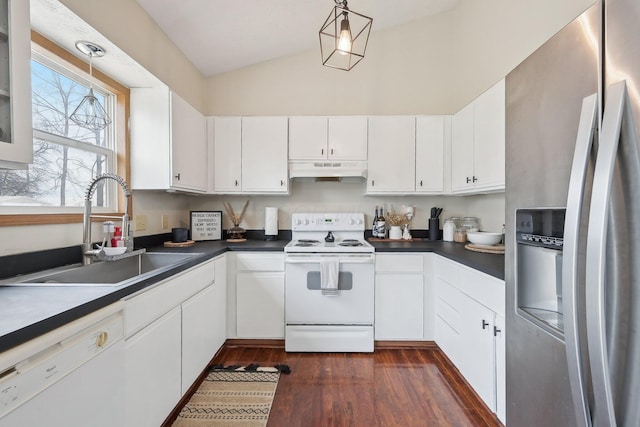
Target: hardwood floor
column 391, row 387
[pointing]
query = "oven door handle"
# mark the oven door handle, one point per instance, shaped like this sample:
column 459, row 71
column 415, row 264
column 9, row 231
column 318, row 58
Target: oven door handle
column 368, row 259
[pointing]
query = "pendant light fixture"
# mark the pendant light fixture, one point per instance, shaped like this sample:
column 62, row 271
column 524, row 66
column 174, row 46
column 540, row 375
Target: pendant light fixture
column 344, row 37
column 90, row 114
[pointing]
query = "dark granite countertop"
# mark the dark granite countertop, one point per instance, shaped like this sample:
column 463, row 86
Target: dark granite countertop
column 27, row 312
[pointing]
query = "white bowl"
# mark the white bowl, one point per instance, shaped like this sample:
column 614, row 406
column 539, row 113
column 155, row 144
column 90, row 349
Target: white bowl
column 114, row 251
column 484, row 237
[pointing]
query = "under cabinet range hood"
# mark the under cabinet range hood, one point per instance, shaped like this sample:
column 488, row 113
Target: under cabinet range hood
column 327, row 169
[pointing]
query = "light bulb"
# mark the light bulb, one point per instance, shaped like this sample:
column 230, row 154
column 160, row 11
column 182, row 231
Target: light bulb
column 344, row 42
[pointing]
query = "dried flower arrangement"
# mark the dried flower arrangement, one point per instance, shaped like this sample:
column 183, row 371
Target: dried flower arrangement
column 393, row 218
column 235, row 232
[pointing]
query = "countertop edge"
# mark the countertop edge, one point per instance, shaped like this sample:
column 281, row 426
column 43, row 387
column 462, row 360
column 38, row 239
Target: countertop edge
column 487, row 263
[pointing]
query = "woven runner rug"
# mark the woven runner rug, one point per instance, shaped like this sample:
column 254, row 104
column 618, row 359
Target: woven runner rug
column 232, row 396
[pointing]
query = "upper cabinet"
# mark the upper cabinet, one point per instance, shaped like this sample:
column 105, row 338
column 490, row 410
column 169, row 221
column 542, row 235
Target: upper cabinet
column 16, row 134
column 432, row 134
column 168, row 142
column 328, row 138
column 392, row 143
column 406, row 154
column 478, row 144
column 227, row 154
column 250, row 155
column 347, row 137
column 264, row 155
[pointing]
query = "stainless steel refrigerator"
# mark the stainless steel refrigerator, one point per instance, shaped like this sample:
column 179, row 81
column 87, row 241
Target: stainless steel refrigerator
column 572, row 116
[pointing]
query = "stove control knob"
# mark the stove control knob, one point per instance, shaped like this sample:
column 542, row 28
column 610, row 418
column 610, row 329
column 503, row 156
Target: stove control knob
column 359, row 221
column 305, row 222
column 352, row 221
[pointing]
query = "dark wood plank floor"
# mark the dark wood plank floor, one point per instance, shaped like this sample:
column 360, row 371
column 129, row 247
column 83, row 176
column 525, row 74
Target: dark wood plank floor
column 391, row 387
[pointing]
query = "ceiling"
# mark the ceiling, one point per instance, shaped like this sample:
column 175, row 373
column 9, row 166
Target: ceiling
column 223, row 35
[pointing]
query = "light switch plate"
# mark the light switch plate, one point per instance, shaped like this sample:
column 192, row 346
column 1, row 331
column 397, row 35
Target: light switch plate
column 164, row 220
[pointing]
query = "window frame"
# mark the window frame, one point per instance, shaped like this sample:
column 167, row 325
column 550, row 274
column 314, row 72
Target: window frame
column 46, row 48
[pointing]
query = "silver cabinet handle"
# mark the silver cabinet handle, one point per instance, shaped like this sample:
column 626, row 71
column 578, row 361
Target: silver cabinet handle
column 475, row 179
column 496, row 331
column 373, row 182
column 584, row 142
column 484, row 324
column 617, row 129
column 332, row 151
column 236, row 182
column 420, row 183
column 281, row 183
column 322, row 151
column 468, row 180
column 177, row 177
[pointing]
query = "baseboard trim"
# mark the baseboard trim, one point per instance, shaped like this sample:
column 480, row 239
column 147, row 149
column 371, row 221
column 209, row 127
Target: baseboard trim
column 384, row 345
column 261, row 343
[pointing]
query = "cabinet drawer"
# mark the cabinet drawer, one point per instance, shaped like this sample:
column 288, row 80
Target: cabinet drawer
column 447, row 270
column 145, row 307
column 260, row 262
column 485, row 289
column 399, row 263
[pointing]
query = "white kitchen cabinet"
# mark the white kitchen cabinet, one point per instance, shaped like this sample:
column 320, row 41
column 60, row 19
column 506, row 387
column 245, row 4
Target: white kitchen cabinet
column 327, row 138
column 259, row 295
column 478, row 144
column 198, row 341
column 470, row 328
column 152, row 371
column 308, row 138
column 165, row 333
column 168, row 142
column 431, row 134
column 219, row 327
column 399, row 297
column 391, row 151
column 347, row 138
column 501, row 368
column 227, row 154
column 265, row 167
column 16, row 134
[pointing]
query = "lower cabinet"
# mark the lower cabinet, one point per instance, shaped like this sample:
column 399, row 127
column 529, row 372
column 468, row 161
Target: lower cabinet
column 259, row 295
column 172, row 330
column 152, row 371
column 399, row 291
column 469, row 328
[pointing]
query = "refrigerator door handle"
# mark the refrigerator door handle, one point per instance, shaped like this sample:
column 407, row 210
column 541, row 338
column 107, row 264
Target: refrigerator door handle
column 575, row 198
column 617, row 106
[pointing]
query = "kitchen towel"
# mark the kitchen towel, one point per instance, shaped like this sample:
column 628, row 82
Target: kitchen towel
column 270, row 221
column 329, row 270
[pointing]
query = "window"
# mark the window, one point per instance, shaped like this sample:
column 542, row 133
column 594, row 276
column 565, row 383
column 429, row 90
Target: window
column 66, row 156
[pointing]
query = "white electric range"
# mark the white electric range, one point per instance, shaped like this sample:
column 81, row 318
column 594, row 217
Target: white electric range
column 329, row 284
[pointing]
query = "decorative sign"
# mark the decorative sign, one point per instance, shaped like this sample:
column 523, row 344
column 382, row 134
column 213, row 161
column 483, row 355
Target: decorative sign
column 206, row 225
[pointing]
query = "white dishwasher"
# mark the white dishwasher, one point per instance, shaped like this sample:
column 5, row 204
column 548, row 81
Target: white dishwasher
column 72, row 376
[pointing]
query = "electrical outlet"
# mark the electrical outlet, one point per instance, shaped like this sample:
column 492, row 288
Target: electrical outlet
column 141, row 222
column 164, row 220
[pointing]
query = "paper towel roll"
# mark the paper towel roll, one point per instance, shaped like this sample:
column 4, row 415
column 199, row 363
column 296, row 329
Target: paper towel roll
column 271, row 221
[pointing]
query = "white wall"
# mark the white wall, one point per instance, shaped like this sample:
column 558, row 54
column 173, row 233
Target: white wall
column 310, row 196
column 431, row 66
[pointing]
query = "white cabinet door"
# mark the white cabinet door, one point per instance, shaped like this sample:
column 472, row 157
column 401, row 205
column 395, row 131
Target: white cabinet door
column 478, row 141
column 501, row 369
column 260, row 304
column 264, row 155
column 227, row 161
column 398, row 306
column 391, row 154
column 188, row 146
column 462, row 157
column 430, row 138
column 478, row 364
column 489, row 138
column 348, row 138
column 199, row 343
column 16, row 134
column 219, row 327
column 168, row 142
column 308, row 138
column 152, row 371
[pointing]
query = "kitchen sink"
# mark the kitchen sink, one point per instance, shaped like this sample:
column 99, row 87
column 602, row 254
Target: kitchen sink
column 105, row 273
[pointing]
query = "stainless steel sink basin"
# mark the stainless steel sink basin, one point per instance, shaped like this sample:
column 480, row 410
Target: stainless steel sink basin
column 106, row 273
